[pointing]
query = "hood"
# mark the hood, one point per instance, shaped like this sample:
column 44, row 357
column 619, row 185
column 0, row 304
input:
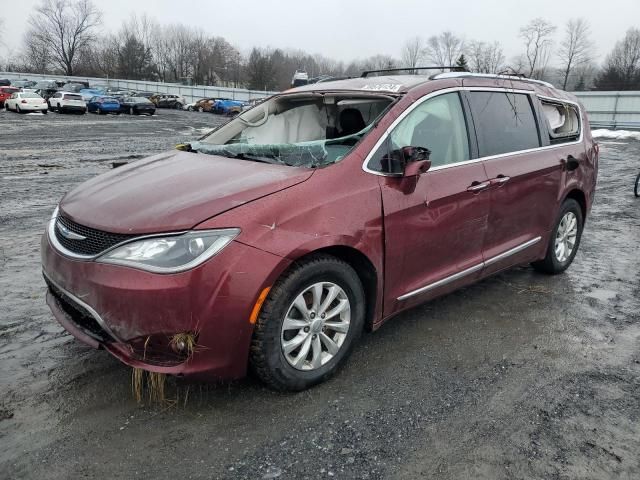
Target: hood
column 173, row 191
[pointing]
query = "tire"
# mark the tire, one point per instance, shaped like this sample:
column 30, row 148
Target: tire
column 552, row 264
column 267, row 357
column 60, row 109
column 45, row 111
column 636, row 188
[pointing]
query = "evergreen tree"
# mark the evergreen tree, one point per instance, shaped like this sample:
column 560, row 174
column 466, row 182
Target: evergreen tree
column 462, row 63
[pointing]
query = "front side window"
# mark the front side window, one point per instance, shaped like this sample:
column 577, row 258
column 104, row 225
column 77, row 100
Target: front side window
column 308, row 130
column 505, row 122
column 438, row 124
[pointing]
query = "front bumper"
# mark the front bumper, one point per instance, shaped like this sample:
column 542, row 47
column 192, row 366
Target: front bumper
column 117, row 308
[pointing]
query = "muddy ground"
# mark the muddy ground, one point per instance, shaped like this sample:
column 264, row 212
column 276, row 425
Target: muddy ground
column 519, row 376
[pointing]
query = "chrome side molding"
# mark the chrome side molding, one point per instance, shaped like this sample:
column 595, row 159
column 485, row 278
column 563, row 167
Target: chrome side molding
column 470, row 270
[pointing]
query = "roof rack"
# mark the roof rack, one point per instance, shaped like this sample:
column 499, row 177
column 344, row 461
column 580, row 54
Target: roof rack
column 387, row 70
column 489, row 75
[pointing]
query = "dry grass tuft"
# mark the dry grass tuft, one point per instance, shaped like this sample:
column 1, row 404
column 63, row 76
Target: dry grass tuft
column 151, row 383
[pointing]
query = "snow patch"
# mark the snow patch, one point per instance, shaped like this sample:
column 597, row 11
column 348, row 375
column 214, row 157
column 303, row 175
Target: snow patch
column 615, row 134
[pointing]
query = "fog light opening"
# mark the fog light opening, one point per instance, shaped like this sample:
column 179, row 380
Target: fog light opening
column 184, row 343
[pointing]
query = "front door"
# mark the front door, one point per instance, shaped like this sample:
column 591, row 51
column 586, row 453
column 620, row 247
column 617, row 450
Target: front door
column 435, row 223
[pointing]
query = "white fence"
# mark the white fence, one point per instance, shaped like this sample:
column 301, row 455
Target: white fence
column 605, row 109
column 617, row 110
column 190, row 93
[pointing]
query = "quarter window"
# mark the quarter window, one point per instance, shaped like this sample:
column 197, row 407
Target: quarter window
column 505, row 122
column 563, row 121
column 438, row 124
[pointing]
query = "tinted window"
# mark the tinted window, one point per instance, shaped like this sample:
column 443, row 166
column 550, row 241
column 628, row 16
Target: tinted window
column 438, row 124
column 73, row 97
column 504, row 122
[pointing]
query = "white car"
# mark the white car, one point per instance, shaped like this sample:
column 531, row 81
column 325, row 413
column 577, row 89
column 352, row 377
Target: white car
column 26, row 102
column 67, row 102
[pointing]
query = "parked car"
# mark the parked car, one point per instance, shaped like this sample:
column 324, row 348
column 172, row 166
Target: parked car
column 146, row 94
column 46, row 88
column 227, row 107
column 202, row 105
column 88, row 93
column 4, row 82
column 73, row 87
column 64, row 102
column 137, row 106
column 25, row 102
column 22, row 84
column 6, row 92
column 102, row 104
column 274, row 241
column 168, row 101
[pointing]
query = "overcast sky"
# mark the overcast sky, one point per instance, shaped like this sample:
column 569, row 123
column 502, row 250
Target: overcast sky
column 348, row 29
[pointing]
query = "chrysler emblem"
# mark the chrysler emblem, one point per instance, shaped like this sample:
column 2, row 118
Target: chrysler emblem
column 66, row 233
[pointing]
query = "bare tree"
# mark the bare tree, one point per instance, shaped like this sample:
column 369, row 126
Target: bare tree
column 35, row 54
column 65, row 27
column 575, row 49
column 1, row 30
column 537, row 37
column 485, row 57
column 444, row 49
column 413, row 51
column 621, row 70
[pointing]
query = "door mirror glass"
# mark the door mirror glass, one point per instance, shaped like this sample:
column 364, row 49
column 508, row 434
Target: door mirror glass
column 416, row 160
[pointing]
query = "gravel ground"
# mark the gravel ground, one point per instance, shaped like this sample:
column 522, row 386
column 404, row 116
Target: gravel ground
column 519, row 376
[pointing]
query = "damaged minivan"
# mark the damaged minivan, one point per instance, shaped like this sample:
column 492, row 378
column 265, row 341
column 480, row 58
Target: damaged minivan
column 273, row 242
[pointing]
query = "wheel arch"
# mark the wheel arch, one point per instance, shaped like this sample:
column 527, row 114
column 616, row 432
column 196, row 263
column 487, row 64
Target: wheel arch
column 579, row 196
column 365, row 270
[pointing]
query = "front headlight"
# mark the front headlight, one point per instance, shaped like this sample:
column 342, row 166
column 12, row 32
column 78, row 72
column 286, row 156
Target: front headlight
column 170, row 253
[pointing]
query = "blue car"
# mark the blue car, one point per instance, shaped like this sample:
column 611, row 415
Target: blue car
column 227, row 107
column 102, row 104
column 89, row 93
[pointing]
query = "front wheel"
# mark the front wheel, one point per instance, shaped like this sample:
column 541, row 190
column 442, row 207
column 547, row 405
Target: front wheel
column 564, row 240
column 636, row 188
column 308, row 324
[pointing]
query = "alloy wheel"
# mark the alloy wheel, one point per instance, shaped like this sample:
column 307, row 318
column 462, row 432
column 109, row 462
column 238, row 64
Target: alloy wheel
column 315, row 326
column 566, row 236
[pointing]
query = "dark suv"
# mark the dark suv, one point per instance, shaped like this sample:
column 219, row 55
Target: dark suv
column 322, row 211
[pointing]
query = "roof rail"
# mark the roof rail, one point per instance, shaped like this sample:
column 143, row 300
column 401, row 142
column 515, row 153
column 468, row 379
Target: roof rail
column 387, row 70
column 489, row 75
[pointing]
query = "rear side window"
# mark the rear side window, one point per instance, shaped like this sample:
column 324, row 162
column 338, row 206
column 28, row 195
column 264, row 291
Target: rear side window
column 563, row 121
column 73, row 97
column 505, row 122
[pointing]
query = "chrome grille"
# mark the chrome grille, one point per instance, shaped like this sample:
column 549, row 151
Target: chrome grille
column 94, row 242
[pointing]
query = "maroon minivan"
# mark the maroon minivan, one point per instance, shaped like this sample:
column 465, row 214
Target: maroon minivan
column 272, row 242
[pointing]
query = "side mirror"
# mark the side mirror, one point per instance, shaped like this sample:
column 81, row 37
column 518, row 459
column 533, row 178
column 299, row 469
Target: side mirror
column 416, row 161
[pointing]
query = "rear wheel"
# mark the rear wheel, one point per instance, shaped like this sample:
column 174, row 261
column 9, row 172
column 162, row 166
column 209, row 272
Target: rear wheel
column 309, row 323
column 564, row 240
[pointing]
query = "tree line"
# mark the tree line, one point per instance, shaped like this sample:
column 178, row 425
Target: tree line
column 63, row 36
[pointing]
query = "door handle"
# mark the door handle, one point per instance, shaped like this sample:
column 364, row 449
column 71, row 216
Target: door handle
column 500, row 180
column 477, row 186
